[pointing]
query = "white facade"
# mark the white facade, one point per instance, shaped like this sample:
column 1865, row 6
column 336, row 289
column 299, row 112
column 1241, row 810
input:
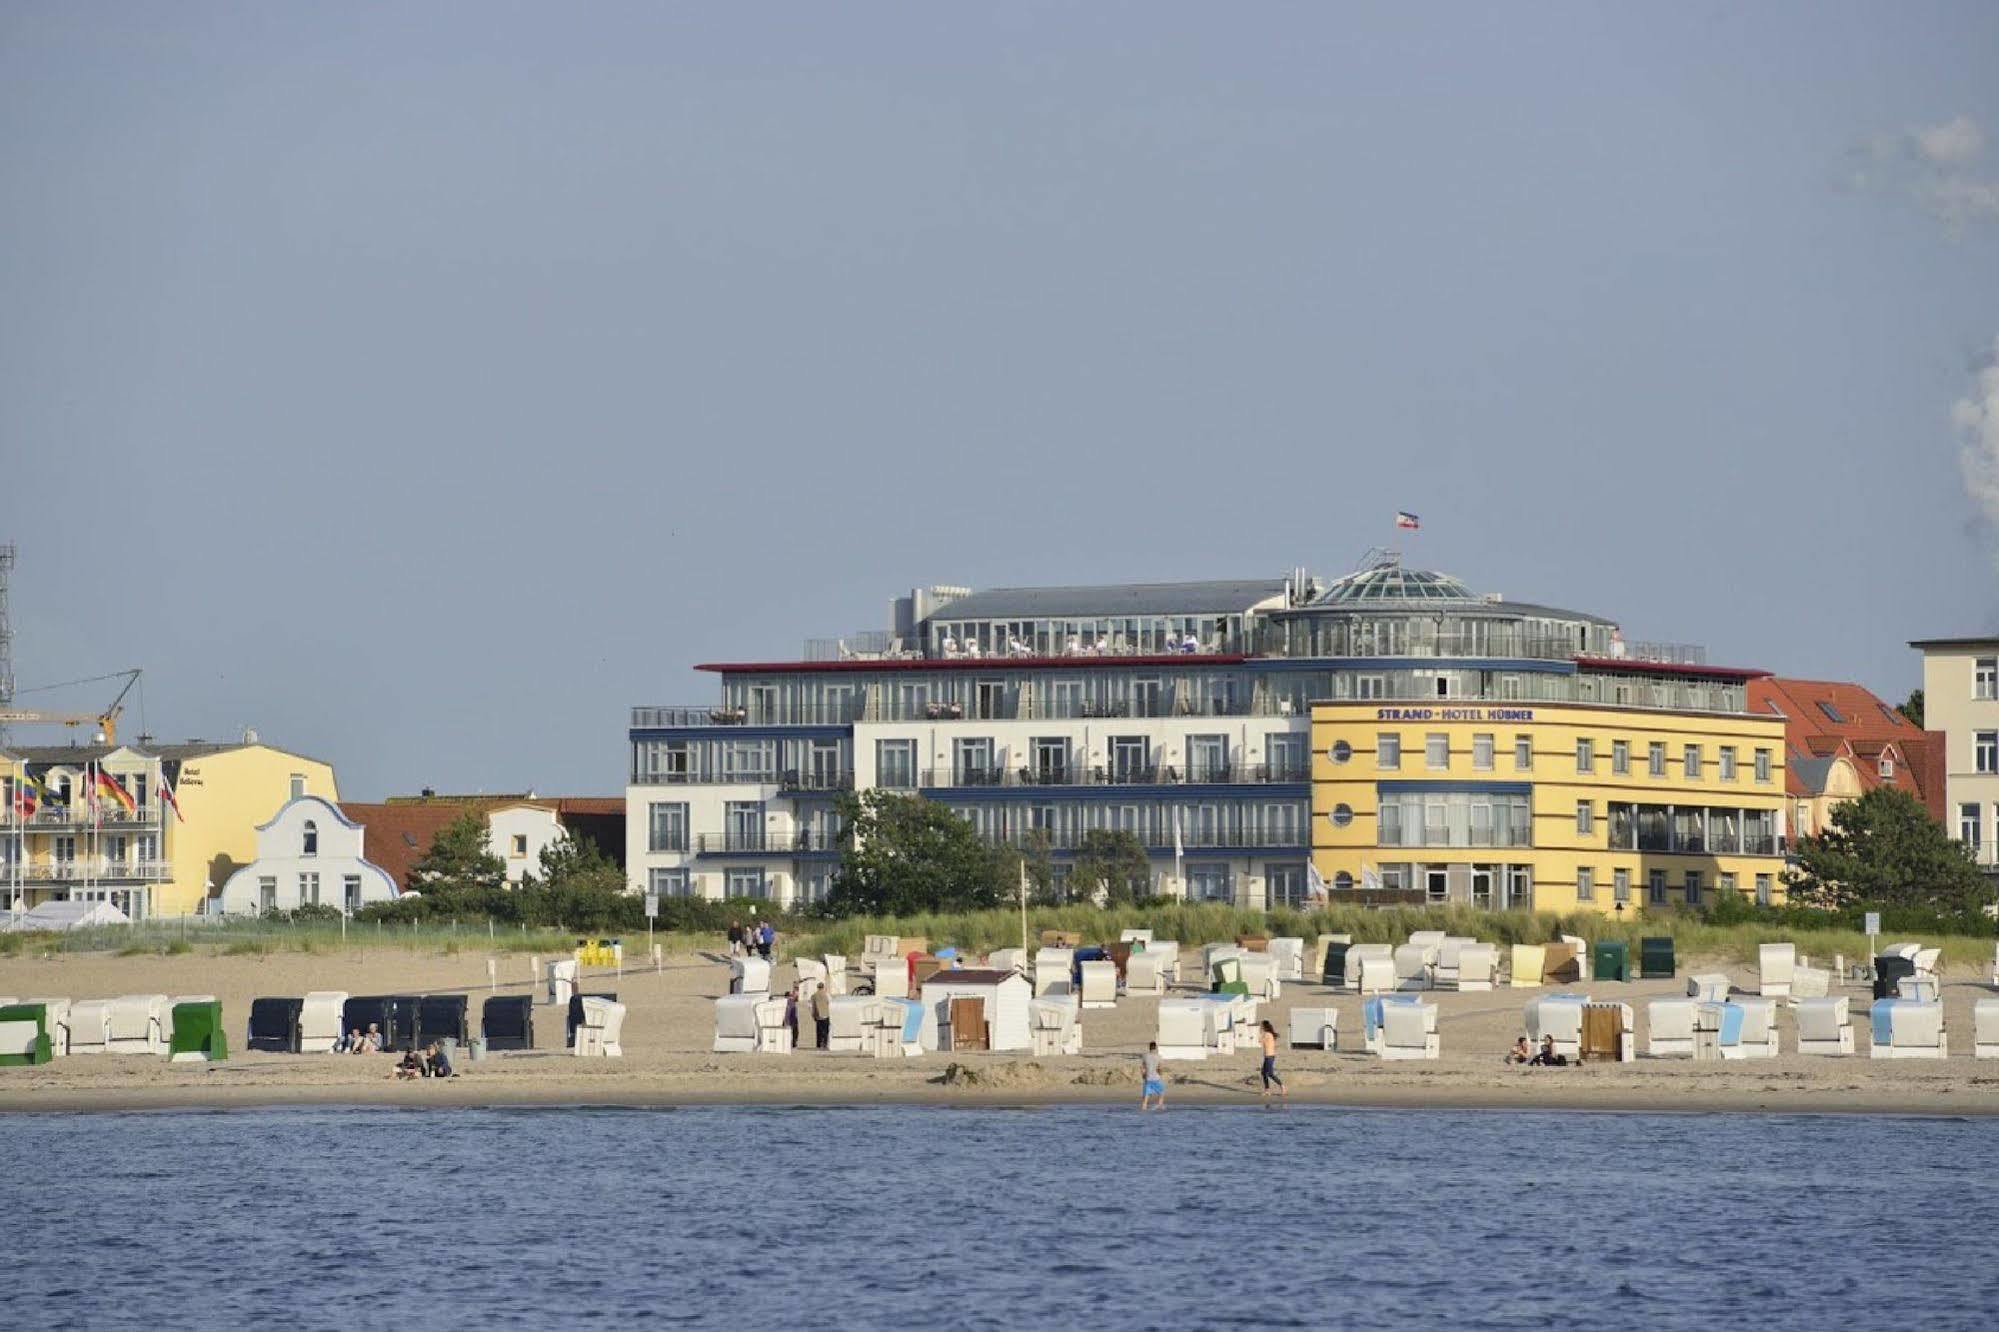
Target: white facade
column 520, row 832
column 308, row 853
column 1961, row 699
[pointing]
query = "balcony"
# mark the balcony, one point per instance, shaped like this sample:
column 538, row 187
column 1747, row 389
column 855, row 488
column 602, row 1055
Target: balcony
column 726, row 714
column 1067, row 839
column 69, row 817
column 92, row 870
column 815, row 781
column 761, row 842
column 1117, row 774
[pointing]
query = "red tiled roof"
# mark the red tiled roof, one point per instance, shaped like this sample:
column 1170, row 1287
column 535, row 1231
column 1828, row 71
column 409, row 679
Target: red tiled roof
column 1864, row 731
column 399, row 831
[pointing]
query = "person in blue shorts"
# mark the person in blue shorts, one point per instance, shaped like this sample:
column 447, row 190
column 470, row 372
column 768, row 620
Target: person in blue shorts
column 1153, row 1095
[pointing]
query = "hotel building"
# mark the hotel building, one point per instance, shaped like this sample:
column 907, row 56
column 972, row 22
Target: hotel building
column 1961, row 700
column 1391, row 728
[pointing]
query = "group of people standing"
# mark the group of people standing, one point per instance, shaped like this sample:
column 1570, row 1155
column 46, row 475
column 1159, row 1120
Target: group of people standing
column 759, row 938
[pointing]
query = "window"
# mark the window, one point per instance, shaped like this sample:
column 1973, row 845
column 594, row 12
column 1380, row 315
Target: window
column 308, row 889
column 1523, row 753
column 668, row 827
column 1762, row 890
column 895, row 764
column 748, row 883
column 1284, row 757
column 1371, row 686
column 1481, row 752
column 350, row 892
column 520, row 845
column 1437, row 751
column 1728, row 763
column 1388, row 750
column 1985, row 751
column 1690, row 762
column 1131, row 758
column 1969, row 826
column 298, row 785
column 1693, row 888
column 1655, row 888
column 668, row 882
column 1763, row 766
column 1985, row 678
column 743, row 822
column 1585, row 818
column 1207, row 758
column 1285, row 885
column 1620, row 757
column 1832, row 713
column 1726, row 883
column 311, row 847
column 1585, row 885
column 1341, row 752
column 1620, row 885
column 1655, row 758
column 267, row 893
column 1585, row 755
column 1342, row 815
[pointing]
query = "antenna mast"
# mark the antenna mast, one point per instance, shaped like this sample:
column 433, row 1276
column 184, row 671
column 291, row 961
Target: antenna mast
column 6, row 636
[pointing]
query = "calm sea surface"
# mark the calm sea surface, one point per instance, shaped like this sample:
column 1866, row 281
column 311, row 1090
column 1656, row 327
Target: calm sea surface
column 970, row 1219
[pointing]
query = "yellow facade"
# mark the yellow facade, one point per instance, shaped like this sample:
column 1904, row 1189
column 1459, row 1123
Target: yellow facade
column 1483, row 804
column 148, row 861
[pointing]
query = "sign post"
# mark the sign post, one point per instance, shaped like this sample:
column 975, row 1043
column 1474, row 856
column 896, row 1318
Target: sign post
column 652, row 913
column 1873, row 928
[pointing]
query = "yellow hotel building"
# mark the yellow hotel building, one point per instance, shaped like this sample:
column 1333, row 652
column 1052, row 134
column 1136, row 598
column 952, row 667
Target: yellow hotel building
column 147, row 861
column 1556, row 806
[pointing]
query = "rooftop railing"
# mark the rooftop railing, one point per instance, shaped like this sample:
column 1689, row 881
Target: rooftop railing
column 1116, row 774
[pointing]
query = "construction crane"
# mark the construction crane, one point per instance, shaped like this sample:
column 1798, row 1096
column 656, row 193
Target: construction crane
column 105, row 722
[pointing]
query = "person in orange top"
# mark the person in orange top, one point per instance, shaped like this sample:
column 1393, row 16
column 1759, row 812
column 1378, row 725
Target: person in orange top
column 1269, row 1070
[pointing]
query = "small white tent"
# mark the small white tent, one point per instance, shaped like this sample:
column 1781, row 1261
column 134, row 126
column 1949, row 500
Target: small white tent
column 68, row 916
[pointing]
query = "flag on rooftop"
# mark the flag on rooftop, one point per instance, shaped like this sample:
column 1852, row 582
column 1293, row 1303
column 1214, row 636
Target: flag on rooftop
column 1408, row 520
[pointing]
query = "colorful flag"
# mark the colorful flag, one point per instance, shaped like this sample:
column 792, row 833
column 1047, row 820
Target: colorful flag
column 167, row 794
column 1407, row 520
column 111, row 786
column 1317, row 881
column 25, row 796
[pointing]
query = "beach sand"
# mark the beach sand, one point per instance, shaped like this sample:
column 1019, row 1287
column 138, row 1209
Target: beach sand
column 670, row 1025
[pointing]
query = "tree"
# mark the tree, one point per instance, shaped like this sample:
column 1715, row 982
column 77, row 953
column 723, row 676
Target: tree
column 906, row 854
column 460, row 858
column 1913, row 709
column 579, row 887
column 1884, row 849
column 1111, row 867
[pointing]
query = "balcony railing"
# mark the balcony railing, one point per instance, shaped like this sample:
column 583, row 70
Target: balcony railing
column 1118, row 774
column 728, row 714
column 815, row 781
column 1192, row 840
column 897, row 710
column 79, row 816
column 771, row 843
column 79, row 871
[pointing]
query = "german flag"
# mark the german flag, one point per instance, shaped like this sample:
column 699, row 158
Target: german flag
column 107, row 785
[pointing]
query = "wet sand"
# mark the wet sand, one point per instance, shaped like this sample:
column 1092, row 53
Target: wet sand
column 670, row 1025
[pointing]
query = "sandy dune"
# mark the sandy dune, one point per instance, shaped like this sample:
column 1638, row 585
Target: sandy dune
column 670, row 1025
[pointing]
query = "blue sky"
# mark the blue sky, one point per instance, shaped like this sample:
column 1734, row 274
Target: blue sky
column 424, row 386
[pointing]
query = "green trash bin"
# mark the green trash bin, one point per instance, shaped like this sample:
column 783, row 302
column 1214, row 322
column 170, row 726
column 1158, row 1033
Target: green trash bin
column 1655, row 958
column 29, row 1049
column 198, row 1032
column 1610, row 960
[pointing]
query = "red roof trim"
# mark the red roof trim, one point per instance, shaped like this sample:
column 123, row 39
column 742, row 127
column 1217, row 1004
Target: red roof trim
column 1669, row 668
column 978, row 663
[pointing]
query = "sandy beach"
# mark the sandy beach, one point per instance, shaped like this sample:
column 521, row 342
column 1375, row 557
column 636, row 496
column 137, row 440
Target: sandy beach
column 670, row 1025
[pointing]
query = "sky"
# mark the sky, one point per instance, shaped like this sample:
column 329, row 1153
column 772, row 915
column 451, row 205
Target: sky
column 425, row 386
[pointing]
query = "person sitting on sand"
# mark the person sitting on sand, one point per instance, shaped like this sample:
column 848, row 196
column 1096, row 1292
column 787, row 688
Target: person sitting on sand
column 411, row 1066
column 1521, row 1052
column 375, row 1042
column 435, row 1065
column 348, row 1040
column 1547, row 1058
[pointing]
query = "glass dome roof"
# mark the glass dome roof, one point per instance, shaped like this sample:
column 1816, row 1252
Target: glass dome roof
column 1391, row 583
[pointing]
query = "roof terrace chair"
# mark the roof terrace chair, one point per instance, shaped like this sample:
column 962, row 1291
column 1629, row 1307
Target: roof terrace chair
column 1905, row 1029
column 1183, row 1029
column 1371, row 973
column 1374, row 1016
column 749, row 975
column 1054, row 971
column 1559, row 1016
column 1708, row 987
column 1314, row 1028
column 1528, row 960
column 1409, row 1031
column 320, row 1021
column 90, row 1026
column 774, row 1035
column 1288, row 952
column 1099, row 988
column 1825, row 1026
column 1478, row 966
column 850, row 1018
column 1670, row 1028
column 1412, row 965
column 1776, row 967
column 1759, row 1031
column 1985, row 1029
column 736, row 1023
column 140, row 1024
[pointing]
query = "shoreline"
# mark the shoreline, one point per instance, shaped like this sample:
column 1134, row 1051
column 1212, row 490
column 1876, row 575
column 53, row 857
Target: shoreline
column 464, row 1094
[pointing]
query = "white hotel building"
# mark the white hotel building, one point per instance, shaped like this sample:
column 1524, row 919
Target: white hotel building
column 1040, row 714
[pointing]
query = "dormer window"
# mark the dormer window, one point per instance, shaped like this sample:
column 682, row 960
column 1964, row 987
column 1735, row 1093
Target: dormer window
column 1887, row 766
column 311, row 839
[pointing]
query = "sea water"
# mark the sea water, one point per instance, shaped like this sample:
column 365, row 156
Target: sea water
column 997, row 1218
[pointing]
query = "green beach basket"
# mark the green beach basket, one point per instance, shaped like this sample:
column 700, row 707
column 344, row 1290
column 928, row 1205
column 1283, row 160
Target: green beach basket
column 1228, row 977
column 1655, row 958
column 24, row 1035
column 1611, row 960
column 198, row 1033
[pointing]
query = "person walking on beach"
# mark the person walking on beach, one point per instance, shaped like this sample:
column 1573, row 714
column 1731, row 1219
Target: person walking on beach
column 1269, row 1070
column 735, row 938
column 1152, row 1093
column 766, row 936
column 822, row 1014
